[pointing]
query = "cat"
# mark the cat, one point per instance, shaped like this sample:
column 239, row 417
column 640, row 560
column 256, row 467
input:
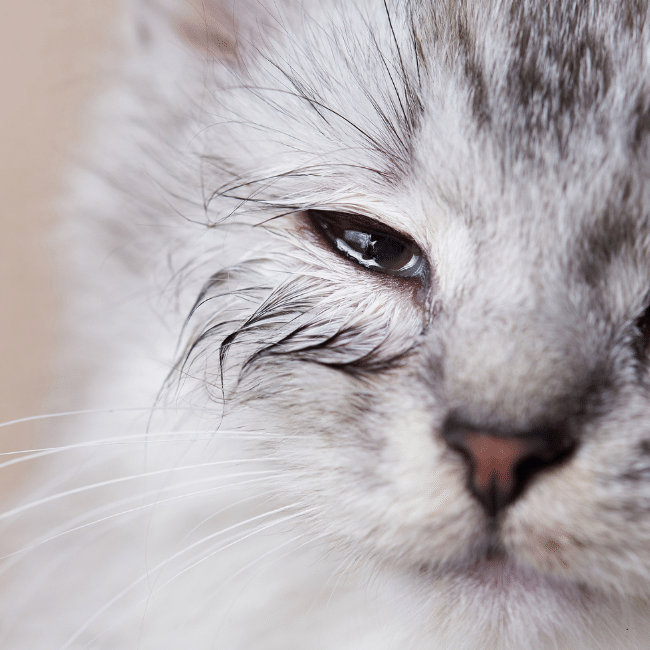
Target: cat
column 360, row 326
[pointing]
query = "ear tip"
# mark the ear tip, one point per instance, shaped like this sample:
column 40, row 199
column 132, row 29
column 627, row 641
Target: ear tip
column 213, row 33
column 214, row 27
column 209, row 26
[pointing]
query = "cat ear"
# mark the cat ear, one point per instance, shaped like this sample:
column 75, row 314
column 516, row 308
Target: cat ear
column 212, row 26
column 223, row 28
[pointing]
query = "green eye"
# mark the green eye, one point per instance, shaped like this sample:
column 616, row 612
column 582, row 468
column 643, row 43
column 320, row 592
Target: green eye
column 381, row 251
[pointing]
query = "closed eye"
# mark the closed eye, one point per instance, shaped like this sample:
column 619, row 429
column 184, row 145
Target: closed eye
column 370, row 244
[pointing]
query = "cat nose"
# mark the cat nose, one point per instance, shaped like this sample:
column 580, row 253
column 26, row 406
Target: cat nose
column 500, row 466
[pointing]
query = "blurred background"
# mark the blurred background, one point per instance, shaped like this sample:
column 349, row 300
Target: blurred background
column 54, row 55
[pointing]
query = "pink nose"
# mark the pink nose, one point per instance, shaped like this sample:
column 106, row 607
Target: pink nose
column 500, row 466
column 494, row 460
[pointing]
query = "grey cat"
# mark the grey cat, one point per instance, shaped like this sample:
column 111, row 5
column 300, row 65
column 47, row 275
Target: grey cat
column 373, row 279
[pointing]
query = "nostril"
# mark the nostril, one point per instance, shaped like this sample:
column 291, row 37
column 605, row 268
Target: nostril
column 500, row 466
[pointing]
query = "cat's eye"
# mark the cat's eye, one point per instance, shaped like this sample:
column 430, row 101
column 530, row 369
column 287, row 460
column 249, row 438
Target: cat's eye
column 642, row 341
column 370, row 244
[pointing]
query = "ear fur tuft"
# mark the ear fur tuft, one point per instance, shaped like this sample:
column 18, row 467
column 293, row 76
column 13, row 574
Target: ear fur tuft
column 211, row 26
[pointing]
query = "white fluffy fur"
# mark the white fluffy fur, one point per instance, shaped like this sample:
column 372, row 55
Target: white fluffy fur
column 292, row 505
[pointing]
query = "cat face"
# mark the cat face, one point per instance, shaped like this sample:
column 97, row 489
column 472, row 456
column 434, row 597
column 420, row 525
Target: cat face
column 499, row 152
column 409, row 245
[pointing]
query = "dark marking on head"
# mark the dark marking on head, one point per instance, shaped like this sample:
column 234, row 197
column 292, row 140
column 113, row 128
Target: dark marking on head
column 474, row 73
column 595, row 396
column 641, row 344
column 560, row 67
column 434, row 371
column 614, row 234
column 633, row 14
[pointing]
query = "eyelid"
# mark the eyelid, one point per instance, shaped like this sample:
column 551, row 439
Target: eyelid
column 360, row 222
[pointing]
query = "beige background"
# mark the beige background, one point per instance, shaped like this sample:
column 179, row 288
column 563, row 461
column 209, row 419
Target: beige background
column 53, row 55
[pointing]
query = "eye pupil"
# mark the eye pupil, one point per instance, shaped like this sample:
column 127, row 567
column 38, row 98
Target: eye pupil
column 388, row 252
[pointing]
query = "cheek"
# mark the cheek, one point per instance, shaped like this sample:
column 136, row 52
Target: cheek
column 400, row 497
column 427, row 481
column 413, row 460
column 365, row 453
column 584, row 521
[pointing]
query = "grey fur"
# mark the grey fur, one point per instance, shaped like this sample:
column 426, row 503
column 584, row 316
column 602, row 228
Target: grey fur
column 509, row 141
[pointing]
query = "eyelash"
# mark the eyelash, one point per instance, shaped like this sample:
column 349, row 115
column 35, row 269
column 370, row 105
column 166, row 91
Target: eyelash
column 370, row 245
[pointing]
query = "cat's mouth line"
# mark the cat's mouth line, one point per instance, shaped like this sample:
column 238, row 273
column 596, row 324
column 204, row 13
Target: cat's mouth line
column 497, row 569
column 492, row 564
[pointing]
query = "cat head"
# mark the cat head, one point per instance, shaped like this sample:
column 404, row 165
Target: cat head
column 422, row 233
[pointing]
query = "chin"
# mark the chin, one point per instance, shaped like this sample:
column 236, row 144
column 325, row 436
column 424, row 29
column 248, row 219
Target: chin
column 496, row 604
column 498, row 601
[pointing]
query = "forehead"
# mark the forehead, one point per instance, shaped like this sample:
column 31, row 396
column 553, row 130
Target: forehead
column 533, row 125
column 515, row 117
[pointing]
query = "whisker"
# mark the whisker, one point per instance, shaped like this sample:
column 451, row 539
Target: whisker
column 258, row 559
column 235, row 540
column 141, row 438
column 145, row 576
column 121, row 479
column 62, row 414
column 342, row 571
column 263, row 475
column 252, row 563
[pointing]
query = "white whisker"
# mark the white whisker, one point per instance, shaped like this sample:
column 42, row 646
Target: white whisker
column 135, row 439
column 228, row 545
column 257, row 560
column 122, row 479
column 310, row 540
column 263, row 476
column 64, row 414
column 165, row 562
